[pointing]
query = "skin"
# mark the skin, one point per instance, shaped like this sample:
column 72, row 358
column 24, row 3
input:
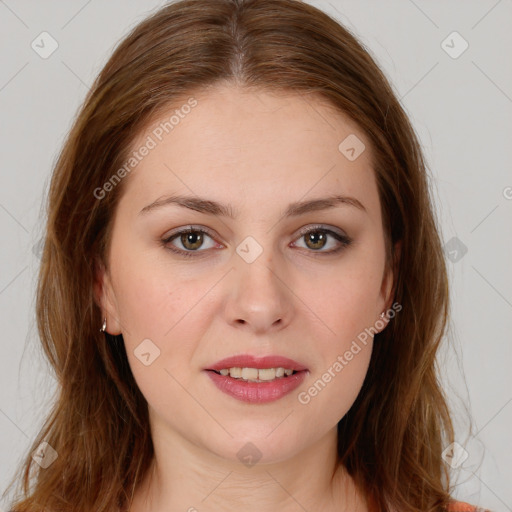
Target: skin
column 257, row 152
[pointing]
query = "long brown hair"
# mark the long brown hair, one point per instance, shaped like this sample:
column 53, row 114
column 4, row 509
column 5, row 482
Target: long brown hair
column 392, row 438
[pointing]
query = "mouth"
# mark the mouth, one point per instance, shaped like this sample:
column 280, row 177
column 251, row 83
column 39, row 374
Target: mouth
column 250, row 368
column 257, row 380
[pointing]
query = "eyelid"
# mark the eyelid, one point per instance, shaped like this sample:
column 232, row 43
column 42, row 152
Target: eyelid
column 187, row 229
column 320, row 227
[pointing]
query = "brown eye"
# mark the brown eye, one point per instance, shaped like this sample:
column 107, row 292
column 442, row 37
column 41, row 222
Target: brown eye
column 316, row 239
column 189, row 241
column 192, row 240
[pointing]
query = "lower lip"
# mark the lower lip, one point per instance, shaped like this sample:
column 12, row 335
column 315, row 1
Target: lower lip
column 257, row 392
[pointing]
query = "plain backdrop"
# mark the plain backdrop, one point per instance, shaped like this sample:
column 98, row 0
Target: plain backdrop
column 457, row 90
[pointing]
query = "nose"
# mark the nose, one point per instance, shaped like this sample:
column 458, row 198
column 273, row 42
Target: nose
column 260, row 299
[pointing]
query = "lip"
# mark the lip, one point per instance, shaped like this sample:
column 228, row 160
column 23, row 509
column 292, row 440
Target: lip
column 248, row 361
column 257, row 392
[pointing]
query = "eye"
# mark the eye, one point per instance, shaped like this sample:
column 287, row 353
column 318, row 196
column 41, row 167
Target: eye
column 317, row 237
column 190, row 238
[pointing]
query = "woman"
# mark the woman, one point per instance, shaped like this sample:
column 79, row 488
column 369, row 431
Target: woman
column 242, row 290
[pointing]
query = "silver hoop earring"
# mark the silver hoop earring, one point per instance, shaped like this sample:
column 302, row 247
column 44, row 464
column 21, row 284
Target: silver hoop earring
column 104, row 326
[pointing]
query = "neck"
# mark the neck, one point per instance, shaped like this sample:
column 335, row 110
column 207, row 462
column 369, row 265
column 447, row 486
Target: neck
column 188, row 477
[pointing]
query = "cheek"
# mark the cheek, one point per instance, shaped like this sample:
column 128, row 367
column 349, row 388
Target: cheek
column 345, row 305
column 162, row 319
column 345, row 299
column 153, row 297
column 147, row 304
column 332, row 391
column 166, row 304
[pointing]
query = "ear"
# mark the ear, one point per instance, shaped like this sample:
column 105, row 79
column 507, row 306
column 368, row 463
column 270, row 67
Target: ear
column 105, row 297
column 388, row 288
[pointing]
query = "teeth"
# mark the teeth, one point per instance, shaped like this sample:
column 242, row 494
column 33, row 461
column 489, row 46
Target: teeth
column 266, row 374
column 249, row 373
column 236, row 373
column 255, row 374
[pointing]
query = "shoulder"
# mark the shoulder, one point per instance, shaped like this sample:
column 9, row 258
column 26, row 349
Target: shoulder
column 461, row 506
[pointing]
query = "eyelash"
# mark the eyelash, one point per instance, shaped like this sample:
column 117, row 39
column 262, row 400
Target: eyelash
column 344, row 240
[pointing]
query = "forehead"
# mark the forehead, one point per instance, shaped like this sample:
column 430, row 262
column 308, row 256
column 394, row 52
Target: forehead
column 239, row 145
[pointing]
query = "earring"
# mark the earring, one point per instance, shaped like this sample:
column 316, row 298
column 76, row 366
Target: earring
column 104, row 326
column 382, row 315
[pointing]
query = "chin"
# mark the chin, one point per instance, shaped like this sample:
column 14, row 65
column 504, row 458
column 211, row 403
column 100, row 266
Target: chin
column 257, row 445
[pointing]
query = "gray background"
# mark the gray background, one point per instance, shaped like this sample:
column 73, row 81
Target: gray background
column 461, row 107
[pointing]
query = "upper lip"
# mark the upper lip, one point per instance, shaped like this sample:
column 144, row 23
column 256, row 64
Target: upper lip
column 248, row 361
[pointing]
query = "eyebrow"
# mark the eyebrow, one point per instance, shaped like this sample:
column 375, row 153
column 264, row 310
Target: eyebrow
column 211, row 207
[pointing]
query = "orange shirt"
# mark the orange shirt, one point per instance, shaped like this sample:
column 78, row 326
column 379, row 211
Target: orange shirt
column 461, row 506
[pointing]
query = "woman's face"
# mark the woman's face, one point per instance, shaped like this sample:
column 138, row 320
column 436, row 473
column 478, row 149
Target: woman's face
column 254, row 171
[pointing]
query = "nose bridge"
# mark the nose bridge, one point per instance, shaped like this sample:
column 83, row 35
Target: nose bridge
column 260, row 297
column 258, row 258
